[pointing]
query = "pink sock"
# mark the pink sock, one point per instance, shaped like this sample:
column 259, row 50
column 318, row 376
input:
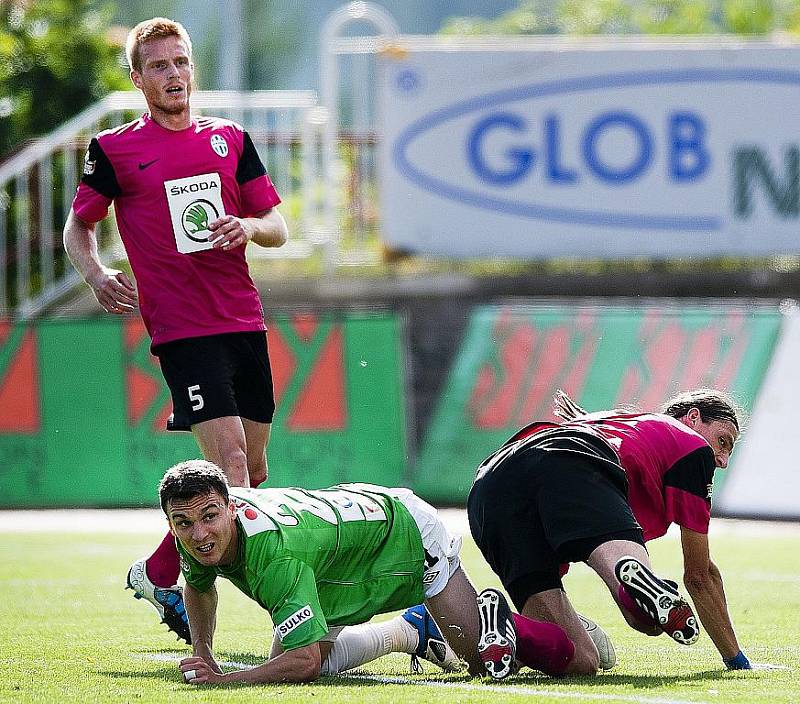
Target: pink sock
column 543, row 646
column 163, row 566
column 633, row 608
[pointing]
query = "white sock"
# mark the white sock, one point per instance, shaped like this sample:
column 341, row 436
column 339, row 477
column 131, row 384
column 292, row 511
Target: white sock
column 357, row 645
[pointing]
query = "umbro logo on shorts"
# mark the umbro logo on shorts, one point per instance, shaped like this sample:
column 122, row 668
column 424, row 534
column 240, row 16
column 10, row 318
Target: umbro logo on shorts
column 430, row 577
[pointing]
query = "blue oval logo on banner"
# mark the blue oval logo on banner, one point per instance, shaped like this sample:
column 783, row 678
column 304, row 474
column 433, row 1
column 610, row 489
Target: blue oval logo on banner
column 686, row 157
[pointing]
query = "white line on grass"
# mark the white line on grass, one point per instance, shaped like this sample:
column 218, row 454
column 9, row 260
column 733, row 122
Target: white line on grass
column 466, row 687
column 528, row 691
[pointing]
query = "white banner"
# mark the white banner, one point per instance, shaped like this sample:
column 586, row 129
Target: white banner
column 605, row 151
column 765, row 481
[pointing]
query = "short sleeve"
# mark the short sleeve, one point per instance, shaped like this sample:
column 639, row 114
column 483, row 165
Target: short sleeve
column 687, row 490
column 288, row 591
column 255, row 186
column 98, row 186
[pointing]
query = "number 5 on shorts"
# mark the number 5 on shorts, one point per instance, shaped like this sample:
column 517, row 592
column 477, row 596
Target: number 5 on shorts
column 195, row 398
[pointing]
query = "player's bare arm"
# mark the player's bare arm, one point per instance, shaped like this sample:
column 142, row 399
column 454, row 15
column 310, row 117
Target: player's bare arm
column 704, row 583
column 298, row 665
column 266, row 229
column 202, row 610
column 114, row 291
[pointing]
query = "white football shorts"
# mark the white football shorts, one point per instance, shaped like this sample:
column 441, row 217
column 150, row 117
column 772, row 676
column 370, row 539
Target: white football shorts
column 441, row 549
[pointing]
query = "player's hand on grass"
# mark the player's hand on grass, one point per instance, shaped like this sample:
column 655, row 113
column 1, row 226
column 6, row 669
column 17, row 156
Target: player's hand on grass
column 738, row 662
column 114, row 291
column 197, row 670
column 229, row 232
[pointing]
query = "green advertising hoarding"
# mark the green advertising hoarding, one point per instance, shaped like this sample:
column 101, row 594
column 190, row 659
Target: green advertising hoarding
column 513, row 357
column 83, row 408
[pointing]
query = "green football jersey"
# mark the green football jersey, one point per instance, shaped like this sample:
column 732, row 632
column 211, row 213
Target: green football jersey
column 316, row 559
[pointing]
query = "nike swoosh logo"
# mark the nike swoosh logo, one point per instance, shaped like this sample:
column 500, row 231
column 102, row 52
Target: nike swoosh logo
column 142, row 167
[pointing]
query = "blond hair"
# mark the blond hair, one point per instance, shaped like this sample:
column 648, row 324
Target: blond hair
column 156, row 28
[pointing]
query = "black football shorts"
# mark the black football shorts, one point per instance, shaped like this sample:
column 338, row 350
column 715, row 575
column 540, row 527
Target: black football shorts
column 218, row 375
column 539, row 509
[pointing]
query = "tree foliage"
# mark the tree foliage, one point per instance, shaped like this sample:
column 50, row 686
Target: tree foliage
column 56, row 58
column 668, row 17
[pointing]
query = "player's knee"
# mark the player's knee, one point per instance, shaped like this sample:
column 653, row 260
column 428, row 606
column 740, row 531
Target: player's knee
column 234, row 464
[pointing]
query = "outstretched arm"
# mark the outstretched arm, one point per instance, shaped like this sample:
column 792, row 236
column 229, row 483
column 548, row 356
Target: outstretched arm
column 703, row 581
column 299, row 665
column 112, row 288
column 201, row 608
column 266, row 229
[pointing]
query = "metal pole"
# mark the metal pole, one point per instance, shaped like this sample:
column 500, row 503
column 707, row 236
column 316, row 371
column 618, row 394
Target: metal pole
column 232, row 40
column 329, row 87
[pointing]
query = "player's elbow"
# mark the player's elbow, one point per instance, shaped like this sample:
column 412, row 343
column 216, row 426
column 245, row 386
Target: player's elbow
column 308, row 674
column 279, row 231
column 306, row 666
column 281, row 234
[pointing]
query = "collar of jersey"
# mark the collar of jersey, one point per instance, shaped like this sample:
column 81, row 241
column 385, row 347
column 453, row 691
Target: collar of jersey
column 150, row 121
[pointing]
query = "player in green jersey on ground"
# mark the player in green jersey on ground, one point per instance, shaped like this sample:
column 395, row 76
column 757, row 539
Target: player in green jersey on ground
column 321, row 562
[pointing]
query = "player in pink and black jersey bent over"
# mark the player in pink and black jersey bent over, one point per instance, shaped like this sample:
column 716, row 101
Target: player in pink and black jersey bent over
column 595, row 489
column 189, row 193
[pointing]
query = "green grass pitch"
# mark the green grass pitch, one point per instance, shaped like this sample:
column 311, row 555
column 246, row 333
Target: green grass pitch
column 70, row 634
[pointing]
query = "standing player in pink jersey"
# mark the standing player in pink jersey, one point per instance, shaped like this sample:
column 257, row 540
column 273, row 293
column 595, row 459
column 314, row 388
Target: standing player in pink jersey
column 189, row 193
column 594, row 489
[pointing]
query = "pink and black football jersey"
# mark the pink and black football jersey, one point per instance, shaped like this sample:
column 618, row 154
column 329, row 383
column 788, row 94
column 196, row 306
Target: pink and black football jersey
column 669, row 467
column 166, row 186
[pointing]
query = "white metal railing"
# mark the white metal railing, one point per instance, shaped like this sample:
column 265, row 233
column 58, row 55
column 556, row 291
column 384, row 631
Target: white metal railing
column 348, row 80
column 38, row 183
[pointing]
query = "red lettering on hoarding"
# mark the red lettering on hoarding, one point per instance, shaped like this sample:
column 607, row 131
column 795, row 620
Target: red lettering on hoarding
column 143, row 381
column 663, row 357
column 516, row 384
column 321, row 404
column 500, row 379
column 548, row 368
column 142, row 393
column 19, row 385
column 281, row 360
column 305, row 326
column 677, row 357
column 703, row 352
column 580, row 361
column 133, row 332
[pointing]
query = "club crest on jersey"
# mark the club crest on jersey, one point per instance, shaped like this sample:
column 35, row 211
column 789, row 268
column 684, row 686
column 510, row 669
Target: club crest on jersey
column 298, row 618
column 88, row 165
column 219, row 145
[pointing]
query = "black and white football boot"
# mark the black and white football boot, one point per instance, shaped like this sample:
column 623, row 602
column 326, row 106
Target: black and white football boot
column 497, row 645
column 659, row 599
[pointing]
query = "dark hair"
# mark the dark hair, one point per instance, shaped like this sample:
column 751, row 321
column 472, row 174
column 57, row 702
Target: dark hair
column 712, row 404
column 189, row 479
